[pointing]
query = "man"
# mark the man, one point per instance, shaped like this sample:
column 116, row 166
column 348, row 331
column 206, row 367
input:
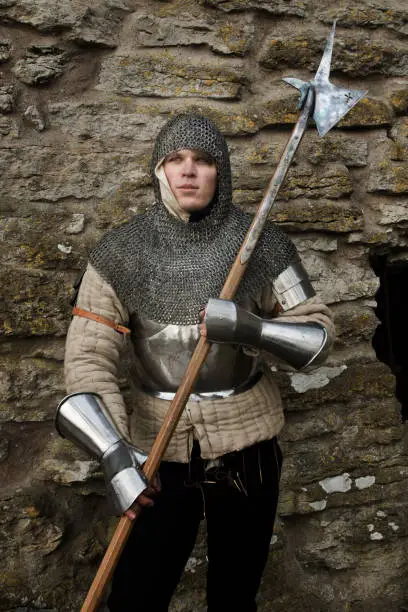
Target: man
column 155, row 275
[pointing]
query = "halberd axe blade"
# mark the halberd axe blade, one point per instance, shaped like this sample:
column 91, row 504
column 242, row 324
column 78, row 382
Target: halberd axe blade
column 332, row 103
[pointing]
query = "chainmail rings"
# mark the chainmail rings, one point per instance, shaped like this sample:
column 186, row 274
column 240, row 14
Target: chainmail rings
column 165, row 269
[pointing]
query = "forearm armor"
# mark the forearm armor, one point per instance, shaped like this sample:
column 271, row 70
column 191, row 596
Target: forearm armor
column 83, row 419
column 298, row 344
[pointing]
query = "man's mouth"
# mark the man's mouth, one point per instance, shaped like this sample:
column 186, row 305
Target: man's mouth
column 187, row 187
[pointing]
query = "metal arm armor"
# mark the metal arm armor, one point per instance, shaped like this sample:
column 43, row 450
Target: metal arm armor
column 84, row 420
column 292, row 286
column 298, row 344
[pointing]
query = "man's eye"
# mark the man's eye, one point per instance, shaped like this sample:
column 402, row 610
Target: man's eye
column 204, row 159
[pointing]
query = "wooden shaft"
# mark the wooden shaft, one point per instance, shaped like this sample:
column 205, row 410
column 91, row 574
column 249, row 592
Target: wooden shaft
column 115, row 548
column 108, row 564
column 124, row 528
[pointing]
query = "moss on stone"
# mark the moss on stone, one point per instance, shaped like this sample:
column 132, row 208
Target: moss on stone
column 368, row 113
column 34, row 304
column 296, row 50
column 365, row 16
column 399, row 100
column 165, row 74
column 233, row 37
column 321, row 215
column 388, row 177
column 279, row 112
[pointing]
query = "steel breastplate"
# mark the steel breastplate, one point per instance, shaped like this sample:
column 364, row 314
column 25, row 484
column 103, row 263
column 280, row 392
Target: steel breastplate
column 162, row 353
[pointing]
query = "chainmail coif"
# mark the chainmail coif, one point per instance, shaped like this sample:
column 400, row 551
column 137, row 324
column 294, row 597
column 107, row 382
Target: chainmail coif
column 165, row 269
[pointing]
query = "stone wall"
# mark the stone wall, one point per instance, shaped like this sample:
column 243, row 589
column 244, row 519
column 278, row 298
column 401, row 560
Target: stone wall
column 84, row 89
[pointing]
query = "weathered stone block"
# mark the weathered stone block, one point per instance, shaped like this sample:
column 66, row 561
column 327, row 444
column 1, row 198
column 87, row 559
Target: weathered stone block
column 41, row 64
column 368, row 15
column 125, row 122
column 253, row 165
column 316, row 378
column 33, row 116
column 4, row 449
column 344, row 476
column 98, row 26
column 364, row 57
column 388, row 177
column 76, row 225
column 301, row 51
column 302, row 181
column 5, row 50
column 64, row 464
column 354, row 323
column 7, row 98
column 349, row 149
column 368, row 113
column 169, row 75
column 34, row 303
column 399, row 100
column 312, row 424
column 42, row 241
column 275, row 7
column 42, row 14
column 91, row 26
column 339, row 540
column 37, row 570
column 310, row 242
column 373, row 382
column 282, row 111
column 123, row 204
column 399, row 134
column 9, row 127
column 321, row 215
column 337, row 283
column 393, row 214
column 35, row 386
column 247, row 199
column 357, row 58
column 229, row 37
column 386, row 413
column 121, row 122
column 51, row 174
column 330, row 181
column 233, row 121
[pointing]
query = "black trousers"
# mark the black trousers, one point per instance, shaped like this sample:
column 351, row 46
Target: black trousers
column 238, row 500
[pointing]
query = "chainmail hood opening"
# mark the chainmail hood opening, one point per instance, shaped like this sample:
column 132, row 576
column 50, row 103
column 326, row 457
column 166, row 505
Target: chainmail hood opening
column 164, row 269
column 192, row 131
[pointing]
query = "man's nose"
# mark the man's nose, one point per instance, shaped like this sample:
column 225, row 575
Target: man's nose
column 189, row 168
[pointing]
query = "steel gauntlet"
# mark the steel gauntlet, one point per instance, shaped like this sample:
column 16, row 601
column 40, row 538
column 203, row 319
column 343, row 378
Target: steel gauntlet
column 83, row 419
column 298, row 344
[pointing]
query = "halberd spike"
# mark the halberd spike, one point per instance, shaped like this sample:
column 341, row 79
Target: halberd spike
column 323, row 70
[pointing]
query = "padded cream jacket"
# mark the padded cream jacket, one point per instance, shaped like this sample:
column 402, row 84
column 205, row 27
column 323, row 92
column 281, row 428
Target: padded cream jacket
column 93, row 356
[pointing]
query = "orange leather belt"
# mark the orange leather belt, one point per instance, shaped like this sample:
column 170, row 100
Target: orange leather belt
column 94, row 317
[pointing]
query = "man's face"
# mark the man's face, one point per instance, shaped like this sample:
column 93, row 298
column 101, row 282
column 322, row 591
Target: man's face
column 192, row 176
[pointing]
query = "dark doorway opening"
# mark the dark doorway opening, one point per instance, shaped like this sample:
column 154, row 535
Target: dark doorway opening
column 390, row 340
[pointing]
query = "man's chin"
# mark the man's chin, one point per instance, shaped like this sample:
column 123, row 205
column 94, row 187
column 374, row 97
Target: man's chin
column 191, row 207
